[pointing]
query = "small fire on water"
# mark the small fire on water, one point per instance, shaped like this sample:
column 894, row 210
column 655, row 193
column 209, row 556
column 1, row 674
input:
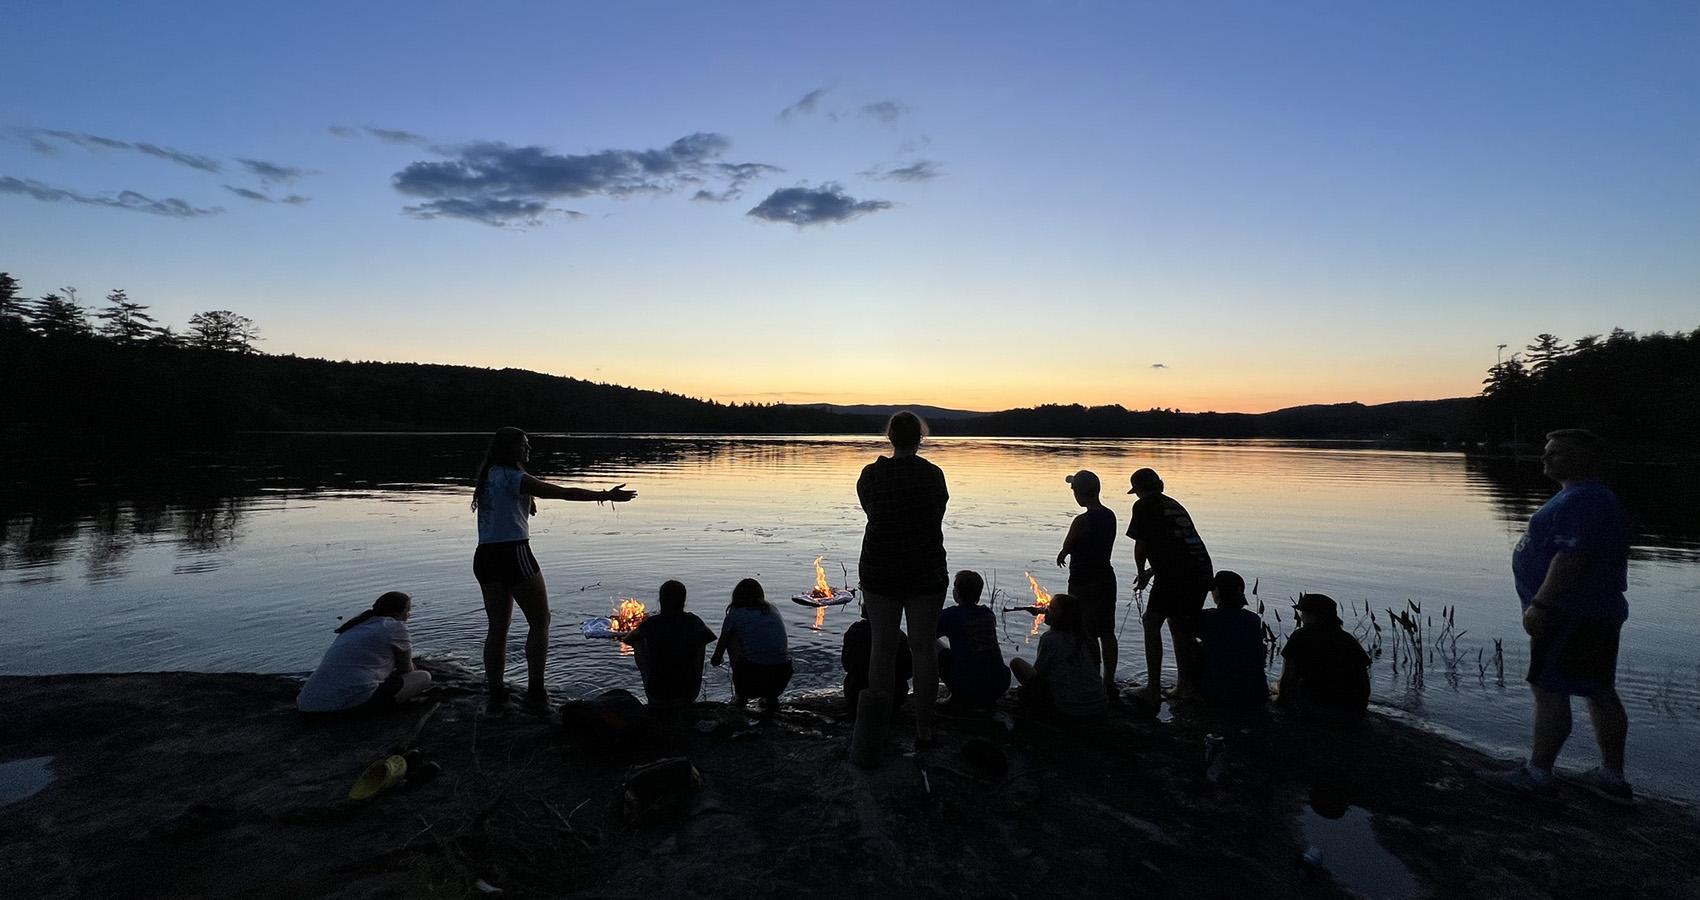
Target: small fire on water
column 626, row 616
column 1041, row 602
column 821, row 591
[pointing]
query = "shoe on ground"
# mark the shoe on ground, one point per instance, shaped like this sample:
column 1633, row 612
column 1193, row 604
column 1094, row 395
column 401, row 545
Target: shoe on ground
column 1606, row 785
column 1522, row 781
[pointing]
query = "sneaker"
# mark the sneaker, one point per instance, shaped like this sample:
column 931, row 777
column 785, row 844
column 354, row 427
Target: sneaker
column 1522, row 781
column 1606, row 785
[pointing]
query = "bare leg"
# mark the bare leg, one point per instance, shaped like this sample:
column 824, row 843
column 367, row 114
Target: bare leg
column 412, row 684
column 1153, row 689
column 1552, row 727
column 1611, row 727
column 1023, row 671
column 499, row 609
column 922, row 611
column 1107, row 642
column 533, row 599
column 883, row 615
column 1186, row 656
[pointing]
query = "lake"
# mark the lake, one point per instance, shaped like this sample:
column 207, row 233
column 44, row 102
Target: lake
column 241, row 554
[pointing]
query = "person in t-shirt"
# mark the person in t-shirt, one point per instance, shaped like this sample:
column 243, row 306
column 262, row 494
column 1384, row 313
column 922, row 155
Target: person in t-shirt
column 1168, row 551
column 754, row 635
column 1571, row 571
column 1091, row 579
column 669, row 649
column 1324, row 670
column 370, row 664
column 1230, row 641
column 1065, row 676
column 971, row 664
column 857, row 650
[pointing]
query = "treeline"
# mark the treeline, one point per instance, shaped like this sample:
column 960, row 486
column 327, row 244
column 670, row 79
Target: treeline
column 1635, row 390
column 59, row 316
column 1413, row 421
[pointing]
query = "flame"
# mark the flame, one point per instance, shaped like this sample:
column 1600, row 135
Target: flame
column 626, row 615
column 822, row 590
column 820, row 617
column 1041, row 598
column 1038, row 620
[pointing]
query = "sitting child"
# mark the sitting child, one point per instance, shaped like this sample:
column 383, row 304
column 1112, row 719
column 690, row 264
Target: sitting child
column 1232, row 641
column 971, row 665
column 1325, row 675
column 370, row 664
column 858, row 646
column 754, row 635
column 669, row 649
column 1066, row 676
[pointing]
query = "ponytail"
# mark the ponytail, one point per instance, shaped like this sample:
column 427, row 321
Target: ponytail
column 391, row 604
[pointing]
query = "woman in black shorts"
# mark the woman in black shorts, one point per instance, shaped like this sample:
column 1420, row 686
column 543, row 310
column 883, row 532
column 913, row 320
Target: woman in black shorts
column 504, row 496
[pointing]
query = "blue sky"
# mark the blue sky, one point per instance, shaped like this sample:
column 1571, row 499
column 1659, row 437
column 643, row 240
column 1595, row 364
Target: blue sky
column 1279, row 203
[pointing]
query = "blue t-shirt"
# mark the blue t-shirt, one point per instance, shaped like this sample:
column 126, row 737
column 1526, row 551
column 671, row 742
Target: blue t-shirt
column 1584, row 519
column 760, row 635
column 973, row 635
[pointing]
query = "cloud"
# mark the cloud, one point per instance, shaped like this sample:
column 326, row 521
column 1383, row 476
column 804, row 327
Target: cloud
column 804, row 106
column 86, row 141
column 96, row 142
column 251, row 195
column 295, row 200
column 130, row 200
column 387, row 135
column 496, row 183
column 919, row 170
column 824, row 205
column 273, row 173
column 1159, row 365
column 886, row 111
column 192, row 160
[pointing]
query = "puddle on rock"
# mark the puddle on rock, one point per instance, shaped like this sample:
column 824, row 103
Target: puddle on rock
column 21, row 778
column 1353, row 857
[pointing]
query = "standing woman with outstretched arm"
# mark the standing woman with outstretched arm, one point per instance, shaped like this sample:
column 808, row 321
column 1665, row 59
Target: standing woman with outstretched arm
column 902, row 570
column 505, row 498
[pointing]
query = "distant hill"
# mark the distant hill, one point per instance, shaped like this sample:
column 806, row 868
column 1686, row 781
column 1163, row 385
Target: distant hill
column 930, row 413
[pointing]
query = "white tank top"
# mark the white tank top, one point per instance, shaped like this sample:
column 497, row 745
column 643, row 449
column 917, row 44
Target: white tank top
column 504, row 514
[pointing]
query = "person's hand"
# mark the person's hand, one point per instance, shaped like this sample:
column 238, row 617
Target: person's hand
column 1534, row 620
column 1143, row 580
column 1062, row 555
column 618, row 494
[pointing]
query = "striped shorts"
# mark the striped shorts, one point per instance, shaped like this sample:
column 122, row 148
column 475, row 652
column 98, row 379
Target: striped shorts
column 504, row 563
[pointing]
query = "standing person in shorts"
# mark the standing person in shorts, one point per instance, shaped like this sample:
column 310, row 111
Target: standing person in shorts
column 1168, row 550
column 505, row 497
column 1571, row 570
column 1091, row 578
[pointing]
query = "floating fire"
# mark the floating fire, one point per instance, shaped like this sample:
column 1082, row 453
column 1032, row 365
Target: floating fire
column 1041, row 602
column 626, row 616
column 822, row 590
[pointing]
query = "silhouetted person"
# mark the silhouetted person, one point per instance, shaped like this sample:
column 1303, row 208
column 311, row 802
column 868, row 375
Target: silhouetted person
column 754, row 635
column 972, row 665
column 1230, row 640
column 1324, row 670
column 1168, row 551
column 857, row 650
column 1065, row 676
column 668, row 646
column 902, row 569
column 507, row 572
column 370, row 664
column 1091, row 578
column 1571, row 570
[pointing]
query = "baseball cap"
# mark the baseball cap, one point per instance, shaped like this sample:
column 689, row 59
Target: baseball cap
column 1145, row 478
column 1084, row 480
column 1312, row 603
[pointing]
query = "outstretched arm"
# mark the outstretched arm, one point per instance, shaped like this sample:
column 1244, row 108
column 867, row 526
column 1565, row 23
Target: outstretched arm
column 538, row 488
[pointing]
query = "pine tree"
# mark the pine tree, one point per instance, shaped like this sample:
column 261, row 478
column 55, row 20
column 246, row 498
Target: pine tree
column 221, row 329
column 11, row 304
column 56, row 317
column 1545, row 350
column 123, row 321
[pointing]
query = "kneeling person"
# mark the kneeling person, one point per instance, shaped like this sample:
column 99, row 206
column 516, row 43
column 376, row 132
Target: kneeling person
column 669, row 649
column 369, row 665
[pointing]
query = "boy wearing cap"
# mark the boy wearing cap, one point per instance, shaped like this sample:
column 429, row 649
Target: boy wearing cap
column 1165, row 538
column 1324, row 670
column 1091, row 579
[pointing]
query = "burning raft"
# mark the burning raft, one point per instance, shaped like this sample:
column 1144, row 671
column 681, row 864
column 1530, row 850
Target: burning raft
column 824, row 594
column 625, row 617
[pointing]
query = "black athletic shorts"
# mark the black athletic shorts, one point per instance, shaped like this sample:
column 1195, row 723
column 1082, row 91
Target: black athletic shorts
column 1097, row 598
column 760, row 681
column 1574, row 656
column 1178, row 601
column 504, row 563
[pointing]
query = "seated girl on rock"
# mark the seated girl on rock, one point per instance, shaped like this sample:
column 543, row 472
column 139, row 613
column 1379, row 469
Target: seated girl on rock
column 1066, row 676
column 370, row 664
column 754, row 635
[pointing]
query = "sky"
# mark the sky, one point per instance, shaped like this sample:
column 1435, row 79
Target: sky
column 1227, row 206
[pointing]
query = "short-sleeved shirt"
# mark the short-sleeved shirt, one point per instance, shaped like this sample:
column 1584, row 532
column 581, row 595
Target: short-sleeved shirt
column 1069, row 664
column 859, row 648
column 903, row 546
column 759, row 633
column 1089, row 558
column 504, row 511
column 670, row 650
column 973, row 635
column 1233, row 653
column 1330, row 665
column 357, row 662
column 1172, row 546
column 1587, row 520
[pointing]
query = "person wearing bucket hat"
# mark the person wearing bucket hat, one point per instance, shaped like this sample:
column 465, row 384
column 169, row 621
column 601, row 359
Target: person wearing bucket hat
column 1168, row 551
column 1324, row 671
column 1091, row 579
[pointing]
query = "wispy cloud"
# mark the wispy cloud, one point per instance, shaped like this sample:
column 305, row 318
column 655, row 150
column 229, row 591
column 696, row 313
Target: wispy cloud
column 919, row 170
column 130, row 200
column 1159, row 365
column 806, row 105
column 273, row 173
column 98, row 143
column 387, row 135
column 824, row 205
column 886, row 111
column 248, row 194
column 192, row 160
column 498, row 184
column 295, row 200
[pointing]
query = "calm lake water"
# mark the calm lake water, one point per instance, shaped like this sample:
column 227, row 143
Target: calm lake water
column 241, row 557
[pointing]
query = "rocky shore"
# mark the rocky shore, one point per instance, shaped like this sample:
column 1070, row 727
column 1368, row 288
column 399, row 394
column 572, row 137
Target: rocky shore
column 203, row 785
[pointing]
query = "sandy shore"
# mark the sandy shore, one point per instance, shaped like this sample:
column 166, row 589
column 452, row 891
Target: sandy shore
column 183, row 784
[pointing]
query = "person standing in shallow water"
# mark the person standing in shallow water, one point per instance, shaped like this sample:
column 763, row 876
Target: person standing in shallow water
column 1167, row 548
column 504, row 496
column 902, row 570
column 1571, row 571
column 1091, row 578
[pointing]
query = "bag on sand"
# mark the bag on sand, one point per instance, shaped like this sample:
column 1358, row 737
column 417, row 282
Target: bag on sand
column 614, row 719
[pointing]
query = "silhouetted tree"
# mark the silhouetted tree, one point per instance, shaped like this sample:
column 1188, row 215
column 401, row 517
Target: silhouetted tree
column 165, row 337
column 221, row 329
column 11, row 304
column 57, row 317
column 1543, row 351
column 123, row 321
